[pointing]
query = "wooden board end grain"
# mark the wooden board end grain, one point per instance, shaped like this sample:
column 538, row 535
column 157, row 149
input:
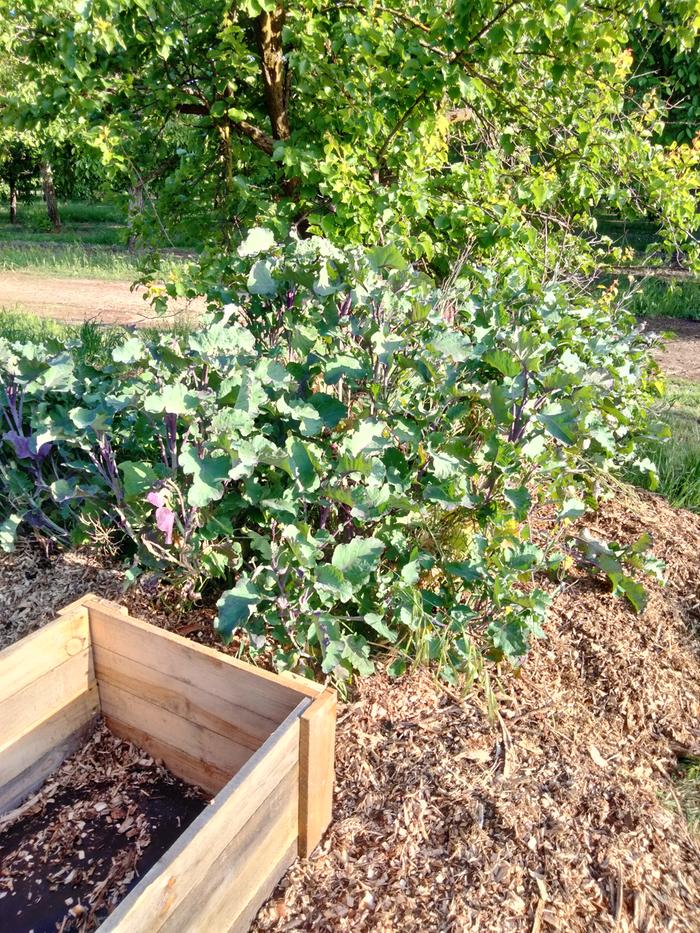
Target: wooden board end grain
column 316, row 770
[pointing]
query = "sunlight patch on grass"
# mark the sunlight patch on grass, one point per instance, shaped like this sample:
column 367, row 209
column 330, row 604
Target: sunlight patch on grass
column 678, row 458
column 662, row 297
column 72, row 261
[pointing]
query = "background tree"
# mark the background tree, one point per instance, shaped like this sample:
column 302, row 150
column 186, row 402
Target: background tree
column 500, row 129
column 18, row 169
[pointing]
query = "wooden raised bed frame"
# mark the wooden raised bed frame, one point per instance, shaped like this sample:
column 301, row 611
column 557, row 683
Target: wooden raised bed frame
column 262, row 744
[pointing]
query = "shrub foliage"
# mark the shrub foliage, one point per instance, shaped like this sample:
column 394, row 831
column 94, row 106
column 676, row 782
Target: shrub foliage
column 352, row 452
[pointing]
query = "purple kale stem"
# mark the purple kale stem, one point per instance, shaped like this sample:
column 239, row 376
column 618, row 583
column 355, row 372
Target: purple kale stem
column 15, row 403
column 171, row 439
column 106, row 464
column 344, row 306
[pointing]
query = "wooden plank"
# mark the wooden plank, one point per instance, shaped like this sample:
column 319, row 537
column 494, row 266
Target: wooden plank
column 196, row 741
column 34, row 656
column 246, row 866
column 175, row 877
column 105, row 607
column 15, row 791
column 192, row 770
column 45, row 696
column 263, row 891
column 259, row 696
column 316, row 770
column 189, row 700
column 26, row 762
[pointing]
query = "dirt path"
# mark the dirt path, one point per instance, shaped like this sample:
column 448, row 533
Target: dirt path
column 74, row 300
column 680, row 357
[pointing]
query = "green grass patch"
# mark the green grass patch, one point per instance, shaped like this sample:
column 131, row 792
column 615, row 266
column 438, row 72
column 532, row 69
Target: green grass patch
column 666, row 297
column 95, row 341
column 76, row 261
column 677, row 459
column 90, row 224
column 687, row 793
column 638, row 235
column 68, row 260
column 30, row 328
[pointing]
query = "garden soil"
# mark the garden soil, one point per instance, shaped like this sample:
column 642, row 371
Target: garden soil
column 545, row 804
column 73, row 850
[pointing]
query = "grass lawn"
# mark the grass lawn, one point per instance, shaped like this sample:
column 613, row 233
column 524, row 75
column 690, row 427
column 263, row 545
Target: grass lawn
column 73, row 260
column 92, row 242
column 89, row 224
column 677, row 459
column 688, row 794
column 667, row 297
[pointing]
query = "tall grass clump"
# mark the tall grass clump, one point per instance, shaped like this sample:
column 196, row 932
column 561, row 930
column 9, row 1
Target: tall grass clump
column 677, row 457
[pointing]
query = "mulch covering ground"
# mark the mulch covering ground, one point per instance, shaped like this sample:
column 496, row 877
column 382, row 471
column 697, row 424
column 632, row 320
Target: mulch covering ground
column 552, row 811
column 73, row 850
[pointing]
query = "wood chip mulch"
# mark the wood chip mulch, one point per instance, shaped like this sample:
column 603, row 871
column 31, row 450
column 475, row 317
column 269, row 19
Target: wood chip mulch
column 553, row 811
column 70, row 853
column 547, row 805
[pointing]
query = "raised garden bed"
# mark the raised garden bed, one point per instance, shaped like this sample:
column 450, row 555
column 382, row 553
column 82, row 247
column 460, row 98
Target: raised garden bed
column 262, row 745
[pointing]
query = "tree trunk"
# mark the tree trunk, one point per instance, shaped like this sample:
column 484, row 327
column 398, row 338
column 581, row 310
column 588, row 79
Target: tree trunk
column 273, row 72
column 50, row 196
column 275, row 79
column 136, row 203
column 13, row 203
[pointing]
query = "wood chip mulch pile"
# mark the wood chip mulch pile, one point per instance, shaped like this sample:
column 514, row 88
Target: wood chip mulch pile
column 555, row 813
column 550, row 810
column 70, row 853
column 34, row 587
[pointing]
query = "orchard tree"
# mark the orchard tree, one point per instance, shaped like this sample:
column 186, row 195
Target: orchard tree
column 494, row 129
column 19, row 166
column 671, row 69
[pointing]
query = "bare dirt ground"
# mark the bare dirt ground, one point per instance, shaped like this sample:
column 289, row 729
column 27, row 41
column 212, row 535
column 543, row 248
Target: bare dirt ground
column 680, row 356
column 551, row 810
column 75, row 300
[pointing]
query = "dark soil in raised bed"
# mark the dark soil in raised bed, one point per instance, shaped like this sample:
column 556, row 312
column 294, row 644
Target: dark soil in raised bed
column 72, row 852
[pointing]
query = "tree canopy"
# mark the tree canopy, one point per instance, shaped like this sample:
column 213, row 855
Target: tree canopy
column 501, row 129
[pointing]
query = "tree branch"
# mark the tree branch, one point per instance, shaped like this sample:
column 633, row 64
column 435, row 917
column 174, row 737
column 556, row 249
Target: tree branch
column 255, row 135
column 398, row 126
column 243, row 127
